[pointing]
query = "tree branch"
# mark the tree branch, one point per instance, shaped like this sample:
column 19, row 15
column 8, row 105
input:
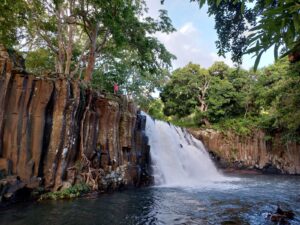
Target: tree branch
column 72, row 74
column 102, row 44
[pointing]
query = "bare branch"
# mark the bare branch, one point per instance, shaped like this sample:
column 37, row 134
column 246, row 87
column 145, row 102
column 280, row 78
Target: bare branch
column 48, row 41
column 72, row 74
column 103, row 42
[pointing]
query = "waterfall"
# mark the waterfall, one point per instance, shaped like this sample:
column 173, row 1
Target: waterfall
column 178, row 159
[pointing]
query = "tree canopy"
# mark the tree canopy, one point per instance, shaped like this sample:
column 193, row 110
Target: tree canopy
column 107, row 42
column 234, row 99
column 80, row 33
column 253, row 27
column 214, row 93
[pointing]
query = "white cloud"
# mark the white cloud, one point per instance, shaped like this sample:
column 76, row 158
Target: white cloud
column 153, row 7
column 188, row 28
column 187, row 43
column 215, row 57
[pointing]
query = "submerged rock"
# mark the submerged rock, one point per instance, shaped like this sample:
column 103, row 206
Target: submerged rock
column 281, row 217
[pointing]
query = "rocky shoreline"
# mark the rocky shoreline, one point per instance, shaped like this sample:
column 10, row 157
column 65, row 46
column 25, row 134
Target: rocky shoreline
column 253, row 153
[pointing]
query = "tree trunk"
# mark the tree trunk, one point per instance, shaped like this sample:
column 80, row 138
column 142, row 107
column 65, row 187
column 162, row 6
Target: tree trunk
column 69, row 50
column 206, row 122
column 203, row 105
column 61, row 50
column 92, row 56
column 203, row 108
column 294, row 56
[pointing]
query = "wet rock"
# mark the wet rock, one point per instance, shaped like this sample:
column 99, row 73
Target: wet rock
column 65, row 185
column 289, row 214
column 271, row 169
column 5, row 167
column 234, row 222
column 12, row 189
column 34, row 182
column 281, row 216
column 279, row 219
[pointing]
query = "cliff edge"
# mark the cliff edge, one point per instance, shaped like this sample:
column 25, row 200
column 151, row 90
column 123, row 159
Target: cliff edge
column 55, row 133
column 251, row 152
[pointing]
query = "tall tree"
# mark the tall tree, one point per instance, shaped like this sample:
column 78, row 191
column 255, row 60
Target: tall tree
column 12, row 17
column 214, row 94
column 277, row 95
column 186, row 90
column 87, row 27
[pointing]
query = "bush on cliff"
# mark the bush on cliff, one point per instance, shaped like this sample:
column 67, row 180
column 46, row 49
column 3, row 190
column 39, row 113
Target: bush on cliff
column 71, row 192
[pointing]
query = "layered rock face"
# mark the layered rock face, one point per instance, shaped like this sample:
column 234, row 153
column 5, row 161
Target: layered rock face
column 54, row 133
column 253, row 152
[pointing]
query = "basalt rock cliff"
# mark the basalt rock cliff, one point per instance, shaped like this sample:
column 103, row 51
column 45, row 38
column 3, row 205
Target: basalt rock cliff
column 54, row 133
column 252, row 152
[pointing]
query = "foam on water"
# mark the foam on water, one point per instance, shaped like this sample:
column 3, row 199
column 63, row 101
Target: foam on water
column 178, row 159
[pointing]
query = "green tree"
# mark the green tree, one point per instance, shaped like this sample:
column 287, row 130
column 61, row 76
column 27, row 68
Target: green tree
column 155, row 109
column 277, row 95
column 222, row 100
column 127, row 70
column 186, row 90
column 40, row 62
column 12, row 17
column 88, row 27
column 247, row 26
column 215, row 94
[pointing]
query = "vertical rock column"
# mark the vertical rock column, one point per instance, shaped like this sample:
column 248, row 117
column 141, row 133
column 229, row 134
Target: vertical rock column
column 5, row 74
column 49, row 126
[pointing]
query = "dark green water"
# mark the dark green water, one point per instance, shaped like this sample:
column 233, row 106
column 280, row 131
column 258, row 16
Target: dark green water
column 243, row 201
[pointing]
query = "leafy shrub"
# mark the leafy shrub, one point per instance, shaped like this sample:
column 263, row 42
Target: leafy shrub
column 71, row 192
column 239, row 126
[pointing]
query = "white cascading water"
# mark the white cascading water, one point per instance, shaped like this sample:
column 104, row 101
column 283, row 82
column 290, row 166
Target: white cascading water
column 178, row 159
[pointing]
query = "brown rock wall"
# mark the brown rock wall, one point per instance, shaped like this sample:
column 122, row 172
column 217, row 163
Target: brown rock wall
column 52, row 131
column 253, row 152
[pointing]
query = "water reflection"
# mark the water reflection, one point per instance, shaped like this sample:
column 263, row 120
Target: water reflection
column 243, row 201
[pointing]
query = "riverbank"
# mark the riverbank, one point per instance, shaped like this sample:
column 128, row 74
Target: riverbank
column 246, row 200
column 253, row 152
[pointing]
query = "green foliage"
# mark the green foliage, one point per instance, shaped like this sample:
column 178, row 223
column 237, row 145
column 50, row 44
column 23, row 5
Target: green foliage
column 221, row 100
column 82, row 35
column 40, row 62
column 133, row 80
column 278, row 26
column 238, row 100
column 240, row 126
column 247, row 26
column 71, row 192
column 12, row 17
column 181, row 92
column 212, row 94
column 278, row 97
column 155, row 109
column 190, row 121
column 232, row 20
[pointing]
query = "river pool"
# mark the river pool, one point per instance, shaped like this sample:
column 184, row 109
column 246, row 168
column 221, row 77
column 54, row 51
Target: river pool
column 243, row 200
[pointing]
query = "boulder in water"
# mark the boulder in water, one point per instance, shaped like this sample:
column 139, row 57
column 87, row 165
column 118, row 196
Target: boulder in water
column 13, row 189
column 281, row 216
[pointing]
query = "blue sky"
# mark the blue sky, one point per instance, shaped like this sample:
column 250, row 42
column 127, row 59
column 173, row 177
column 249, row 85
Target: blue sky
column 194, row 40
